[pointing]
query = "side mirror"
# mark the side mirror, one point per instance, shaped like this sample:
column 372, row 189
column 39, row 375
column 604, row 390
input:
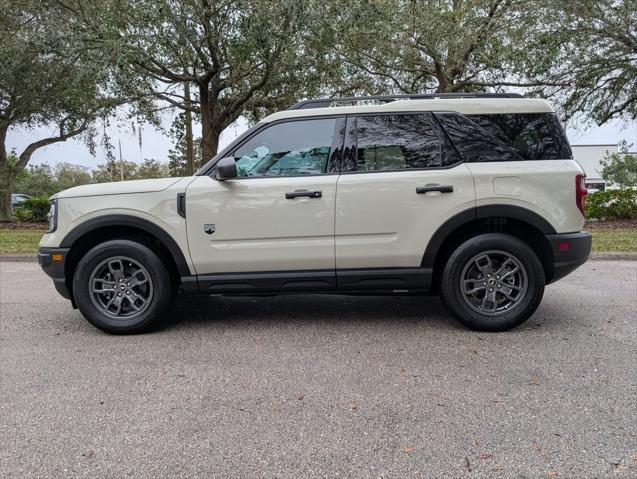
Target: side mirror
column 226, row 169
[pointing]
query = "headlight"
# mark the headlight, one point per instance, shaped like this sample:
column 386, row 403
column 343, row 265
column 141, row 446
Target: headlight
column 52, row 216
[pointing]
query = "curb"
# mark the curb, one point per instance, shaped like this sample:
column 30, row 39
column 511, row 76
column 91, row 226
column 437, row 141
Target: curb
column 33, row 258
column 613, row 256
column 602, row 256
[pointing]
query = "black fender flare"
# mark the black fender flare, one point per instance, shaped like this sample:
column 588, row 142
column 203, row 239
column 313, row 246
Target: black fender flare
column 482, row 212
column 133, row 222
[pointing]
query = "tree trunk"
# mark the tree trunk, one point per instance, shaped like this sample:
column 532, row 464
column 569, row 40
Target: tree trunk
column 190, row 161
column 6, row 185
column 208, row 143
column 443, row 84
column 213, row 143
column 6, row 179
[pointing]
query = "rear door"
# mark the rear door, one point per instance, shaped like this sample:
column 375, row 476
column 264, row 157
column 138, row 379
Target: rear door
column 401, row 180
column 278, row 214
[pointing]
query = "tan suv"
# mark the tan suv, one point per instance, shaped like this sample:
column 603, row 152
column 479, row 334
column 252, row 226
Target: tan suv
column 476, row 196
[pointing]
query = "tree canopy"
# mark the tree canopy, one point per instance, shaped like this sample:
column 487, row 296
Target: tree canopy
column 242, row 56
column 591, row 53
column 441, row 46
column 580, row 54
column 45, row 180
column 620, row 168
column 65, row 64
column 47, row 78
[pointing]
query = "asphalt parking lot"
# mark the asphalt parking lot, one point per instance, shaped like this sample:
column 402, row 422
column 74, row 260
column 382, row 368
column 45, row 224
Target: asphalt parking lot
column 322, row 386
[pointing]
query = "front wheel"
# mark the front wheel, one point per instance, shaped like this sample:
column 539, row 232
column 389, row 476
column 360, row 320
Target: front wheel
column 493, row 282
column 122, row 286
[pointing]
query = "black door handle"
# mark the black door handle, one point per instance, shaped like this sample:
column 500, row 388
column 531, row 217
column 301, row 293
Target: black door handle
column 441, row 188
column 301, row 193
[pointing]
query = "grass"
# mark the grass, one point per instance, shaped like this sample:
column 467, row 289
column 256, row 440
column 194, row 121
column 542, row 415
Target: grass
column 19, row 241
column 624, row 240
column 14, row 241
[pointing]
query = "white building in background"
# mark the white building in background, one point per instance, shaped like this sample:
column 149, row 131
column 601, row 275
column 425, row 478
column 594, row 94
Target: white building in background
column 590, row 157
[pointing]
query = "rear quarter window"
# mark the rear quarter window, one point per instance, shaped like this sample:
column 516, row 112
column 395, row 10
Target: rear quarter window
column 507, row 137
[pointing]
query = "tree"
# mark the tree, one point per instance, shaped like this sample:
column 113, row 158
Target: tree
column 594, row 57
column 178, row 155
column 36, row 180
column 442, row 46
column 620, row 168
column 579, row 53
column 42, row 180
column 47, row 79
column 240, row 57
column 151, row 169
column 68, row 175
column 112, row 171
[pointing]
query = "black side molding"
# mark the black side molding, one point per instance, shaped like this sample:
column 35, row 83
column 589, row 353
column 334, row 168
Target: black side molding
column 480, row 213
column 181, row 204
column 516, row 213
column 384, row 279
column 132, row 222
column 318, row 281
column 442, row 233
column 267, row 282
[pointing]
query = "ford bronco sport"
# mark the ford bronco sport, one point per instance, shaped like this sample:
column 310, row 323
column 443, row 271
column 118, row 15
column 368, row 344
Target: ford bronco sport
column 474, row 196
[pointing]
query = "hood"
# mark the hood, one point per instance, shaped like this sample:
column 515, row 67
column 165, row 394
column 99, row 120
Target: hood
column 117, row 188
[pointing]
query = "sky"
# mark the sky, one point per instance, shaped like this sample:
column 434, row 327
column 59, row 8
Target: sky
column 155, row 144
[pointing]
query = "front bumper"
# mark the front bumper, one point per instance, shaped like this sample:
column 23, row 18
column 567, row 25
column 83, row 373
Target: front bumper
column 52, row 261
column 570, row 251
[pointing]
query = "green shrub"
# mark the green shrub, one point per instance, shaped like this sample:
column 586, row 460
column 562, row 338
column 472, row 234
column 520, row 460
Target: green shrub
column 612, row 204
column 32, row 209
column 23, row 215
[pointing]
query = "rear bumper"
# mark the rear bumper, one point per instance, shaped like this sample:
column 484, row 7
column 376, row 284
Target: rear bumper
column 570, row 251
column 54, row 267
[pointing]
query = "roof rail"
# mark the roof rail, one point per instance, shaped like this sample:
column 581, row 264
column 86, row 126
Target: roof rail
column 327, row 102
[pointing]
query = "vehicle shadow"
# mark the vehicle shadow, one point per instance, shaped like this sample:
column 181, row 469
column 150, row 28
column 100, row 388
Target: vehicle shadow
column 234, row 311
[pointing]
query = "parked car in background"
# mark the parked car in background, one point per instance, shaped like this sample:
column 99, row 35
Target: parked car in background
column 473, row 196
column 17, row 198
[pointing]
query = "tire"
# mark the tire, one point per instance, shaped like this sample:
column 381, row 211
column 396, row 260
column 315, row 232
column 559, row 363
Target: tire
column 142, row 289
column 498, row 302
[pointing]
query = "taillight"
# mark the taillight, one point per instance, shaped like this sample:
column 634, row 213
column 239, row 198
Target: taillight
column 580, row 192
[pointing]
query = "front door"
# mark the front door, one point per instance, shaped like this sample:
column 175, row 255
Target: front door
column 277, row 216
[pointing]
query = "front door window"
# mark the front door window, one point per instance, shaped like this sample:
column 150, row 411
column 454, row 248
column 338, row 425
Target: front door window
column 290, row 148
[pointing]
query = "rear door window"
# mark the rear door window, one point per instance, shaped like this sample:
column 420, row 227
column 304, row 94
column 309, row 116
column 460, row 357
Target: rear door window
column 395, row 142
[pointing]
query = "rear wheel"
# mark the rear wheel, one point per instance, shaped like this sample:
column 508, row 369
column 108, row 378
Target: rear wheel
column 493, row 282
column 121, row 286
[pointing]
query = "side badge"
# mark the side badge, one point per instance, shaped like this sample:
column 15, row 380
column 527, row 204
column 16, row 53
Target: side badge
column 209, row 228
